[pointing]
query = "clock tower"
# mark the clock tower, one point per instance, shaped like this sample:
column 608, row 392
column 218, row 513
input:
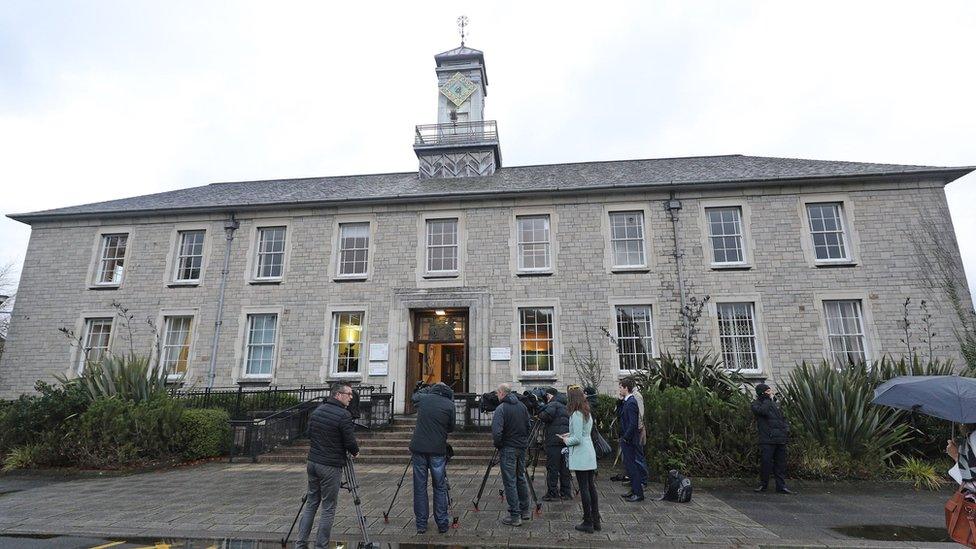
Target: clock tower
column 462, row 143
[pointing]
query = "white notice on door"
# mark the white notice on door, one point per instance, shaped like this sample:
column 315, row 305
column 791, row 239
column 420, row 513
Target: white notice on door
column 379, row 352
column 501, row 353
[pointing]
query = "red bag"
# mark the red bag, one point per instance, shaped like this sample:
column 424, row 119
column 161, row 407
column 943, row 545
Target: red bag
column 961, row 520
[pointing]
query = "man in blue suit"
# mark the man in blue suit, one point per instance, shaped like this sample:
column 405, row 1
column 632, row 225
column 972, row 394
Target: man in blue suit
column 630, row 439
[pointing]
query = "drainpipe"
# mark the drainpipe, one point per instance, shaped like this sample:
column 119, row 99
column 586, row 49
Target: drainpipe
column 672, row 206
column 230, row 225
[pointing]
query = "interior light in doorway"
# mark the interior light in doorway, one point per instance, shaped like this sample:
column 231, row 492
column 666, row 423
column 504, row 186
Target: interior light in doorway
column 440, row 312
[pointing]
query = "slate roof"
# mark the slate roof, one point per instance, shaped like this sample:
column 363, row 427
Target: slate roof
column 673, row 173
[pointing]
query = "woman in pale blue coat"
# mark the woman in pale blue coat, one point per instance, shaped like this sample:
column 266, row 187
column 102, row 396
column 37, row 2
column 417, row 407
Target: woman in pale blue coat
column 582, row 457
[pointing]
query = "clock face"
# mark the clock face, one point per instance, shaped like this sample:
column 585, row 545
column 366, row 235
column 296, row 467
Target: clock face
column 458, row 89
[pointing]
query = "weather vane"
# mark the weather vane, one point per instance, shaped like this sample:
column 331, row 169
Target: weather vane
column 462, row 22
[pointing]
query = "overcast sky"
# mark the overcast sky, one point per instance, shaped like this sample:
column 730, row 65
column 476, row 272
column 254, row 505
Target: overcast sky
column 102, row 100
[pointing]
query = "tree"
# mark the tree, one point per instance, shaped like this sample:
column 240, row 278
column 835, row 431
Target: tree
column 8, row 285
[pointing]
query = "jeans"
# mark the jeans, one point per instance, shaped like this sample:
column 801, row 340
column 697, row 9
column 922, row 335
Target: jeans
column 629, row 453
column 558, row 481
column 437, row 465
column 773, row 461
column 512, row 464
column 587, row 488
column 323, row 486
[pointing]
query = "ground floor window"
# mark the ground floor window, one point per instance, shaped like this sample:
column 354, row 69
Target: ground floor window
column 845, row 331
column 347, row 341
column 175, row 351
column 261, row 332
column 536, row 339
column 635, row 342
column 737, row 336
column 94, row 341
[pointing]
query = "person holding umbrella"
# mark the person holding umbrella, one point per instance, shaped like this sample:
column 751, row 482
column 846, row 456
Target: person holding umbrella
column 964, row 472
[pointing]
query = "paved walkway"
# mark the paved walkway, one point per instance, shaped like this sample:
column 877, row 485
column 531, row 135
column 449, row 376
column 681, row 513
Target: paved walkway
column 248, row 501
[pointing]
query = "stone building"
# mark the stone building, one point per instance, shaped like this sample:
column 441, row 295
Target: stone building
column 474, row 273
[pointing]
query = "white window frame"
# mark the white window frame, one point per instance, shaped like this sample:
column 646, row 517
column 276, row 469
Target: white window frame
column 608, row 216
column 330, row 345
column 193, row 315
column 335, row 257
column 95, row 269
column 252, row 255
column 240, row 358
column 427, row 278
column 756, row 339
column 516, row 361
column 261, row 254
column 848, row 230
column 745, row 229
column 615, row 329
column 175, row 255
column 868, row 328
column 740, row 235
column 858, row 309
column 81, row 328
column 428, row 246
column 515, row 244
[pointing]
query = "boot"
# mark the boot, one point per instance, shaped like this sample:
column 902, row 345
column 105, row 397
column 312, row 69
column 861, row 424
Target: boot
column 585, row 527
column 596, row 522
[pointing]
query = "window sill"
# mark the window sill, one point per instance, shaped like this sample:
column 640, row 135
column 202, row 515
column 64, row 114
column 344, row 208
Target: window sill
column 544, row 376
column 255, row 381
column 104, row 286
column 184, row 284
column 344, row 377
column 534, row 273
column 730, row 267
column 755, row 375
column 436, row 276
column 350, row 278
column 624, row 270
column 263, row 282
column 831, row 264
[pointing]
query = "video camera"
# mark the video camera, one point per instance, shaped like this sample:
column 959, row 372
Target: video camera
column 420, row 385
column 489, row 401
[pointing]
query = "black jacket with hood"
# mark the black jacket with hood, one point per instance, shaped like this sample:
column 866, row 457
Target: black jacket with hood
column 330, row 434
column 435, row 419
column 556, row 418
column 510, row 424
column 770, row 422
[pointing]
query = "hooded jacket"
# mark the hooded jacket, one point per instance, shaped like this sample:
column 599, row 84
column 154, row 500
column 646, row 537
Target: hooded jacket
column 556, row 418
column 330, row 434
column 435, row 419
column 510, row 424
column 772, row 426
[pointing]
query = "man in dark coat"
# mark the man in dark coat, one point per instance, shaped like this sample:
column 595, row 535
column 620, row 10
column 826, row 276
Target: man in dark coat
column 428, row 449
column 774, row 434
column 331, row 437
column 510, row 434
column 553, row 414
column 630, row 439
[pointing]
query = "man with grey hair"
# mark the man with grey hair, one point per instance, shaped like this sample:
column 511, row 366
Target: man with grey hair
column 510, row 434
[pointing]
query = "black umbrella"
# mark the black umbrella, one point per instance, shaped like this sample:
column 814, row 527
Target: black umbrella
column 946, row 397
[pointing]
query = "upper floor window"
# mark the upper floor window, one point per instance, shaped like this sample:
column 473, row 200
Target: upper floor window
column 347, row 342
column 536, row 339
column 725, row 235
column 828, row 232
column 635, row 340
column 271, row 253
column 260, row 345
column 845, row 331
column 353, row 249
column 175, row 351
column 737, row 336
column 94, row 341
column 627, row 239
column 189, row 257
column 533, row 243
column 112, row 259
column 442, row 245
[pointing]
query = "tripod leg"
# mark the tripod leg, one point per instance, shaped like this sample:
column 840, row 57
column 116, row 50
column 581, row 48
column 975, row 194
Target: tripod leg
column 353, row 487
column 484, row 480
column 535, row 500
column 284, row 541
column 386, row 515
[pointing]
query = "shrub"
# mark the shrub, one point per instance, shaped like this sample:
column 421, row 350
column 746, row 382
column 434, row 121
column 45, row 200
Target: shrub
column 204, row 432
column 127, row 377
column 27, row 419
column 706, row 372
column 23, row 457
column 605, row 415
column 921, row 473
column 115, row 432
column 250, row 402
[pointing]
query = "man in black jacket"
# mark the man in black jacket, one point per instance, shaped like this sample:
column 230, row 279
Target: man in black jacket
column 331, row 437
column 553, row 414
column 774, row 434
column 510, row 434
column 428, row 448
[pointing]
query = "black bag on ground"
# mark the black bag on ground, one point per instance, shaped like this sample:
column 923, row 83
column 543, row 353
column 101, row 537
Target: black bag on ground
column 677, row 487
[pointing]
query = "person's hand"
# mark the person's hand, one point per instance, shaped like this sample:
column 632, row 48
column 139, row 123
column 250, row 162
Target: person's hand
column 952, row 450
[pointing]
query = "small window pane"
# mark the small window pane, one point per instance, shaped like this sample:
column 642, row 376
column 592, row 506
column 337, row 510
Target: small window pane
column 737, row 335
column 347, row 341
column 271, row 252
column 353, row 248
column 189, row 256
column 94, row 341
column 112, row 258
column 533, row 242
column 176, row 345
column 627, row 239
column 260, row 344
column 536, row 339
column 635, row 337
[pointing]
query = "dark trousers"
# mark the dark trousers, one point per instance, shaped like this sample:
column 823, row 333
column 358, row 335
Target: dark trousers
column 437, row 465
column 629, row 455
column 512, row 464
column 558, row 481
column 773, row 461
column 587, row 488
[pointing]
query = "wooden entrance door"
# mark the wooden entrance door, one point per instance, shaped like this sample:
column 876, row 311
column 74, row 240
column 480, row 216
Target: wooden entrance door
column 413, row 374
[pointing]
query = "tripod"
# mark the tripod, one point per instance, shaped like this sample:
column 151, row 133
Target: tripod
column 351, row 484
column 495, row 460
column 447, row 481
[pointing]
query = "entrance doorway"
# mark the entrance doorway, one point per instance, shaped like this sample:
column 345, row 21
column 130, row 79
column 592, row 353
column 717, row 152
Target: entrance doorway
column 438, row 352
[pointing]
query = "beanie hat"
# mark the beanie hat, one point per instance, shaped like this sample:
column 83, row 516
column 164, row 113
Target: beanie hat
column 761, row 389
column 551, row 391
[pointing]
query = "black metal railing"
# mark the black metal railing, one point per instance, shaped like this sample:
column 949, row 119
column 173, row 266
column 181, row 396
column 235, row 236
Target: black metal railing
column 245, row 403
column 468, row 414
column 459, row 133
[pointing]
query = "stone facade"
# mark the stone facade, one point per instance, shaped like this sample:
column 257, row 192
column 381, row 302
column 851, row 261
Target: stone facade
column 786, row 287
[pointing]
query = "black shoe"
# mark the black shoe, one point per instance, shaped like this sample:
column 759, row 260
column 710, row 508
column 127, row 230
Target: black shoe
column 421, row 532
column 620, row 478
column 526, row 515
column 442, row 531
column 585, row 527
column 784, row 490
column 548, row 497
column 566, row 497
column 634, row 498
column 596, row 524
column 627, row 495
column 759, row 489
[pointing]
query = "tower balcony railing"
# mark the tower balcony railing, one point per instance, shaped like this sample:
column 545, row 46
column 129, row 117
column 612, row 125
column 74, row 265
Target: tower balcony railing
column 457, row 133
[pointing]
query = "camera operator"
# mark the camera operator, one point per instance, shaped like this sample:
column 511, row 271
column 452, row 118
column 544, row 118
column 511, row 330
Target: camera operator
column 428, row 448
column 774, row 434
column 554, row 415
column 331, row 436
column 510, row 434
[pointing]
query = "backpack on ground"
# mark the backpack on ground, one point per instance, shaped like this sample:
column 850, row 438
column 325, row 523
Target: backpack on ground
column 677, row 487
